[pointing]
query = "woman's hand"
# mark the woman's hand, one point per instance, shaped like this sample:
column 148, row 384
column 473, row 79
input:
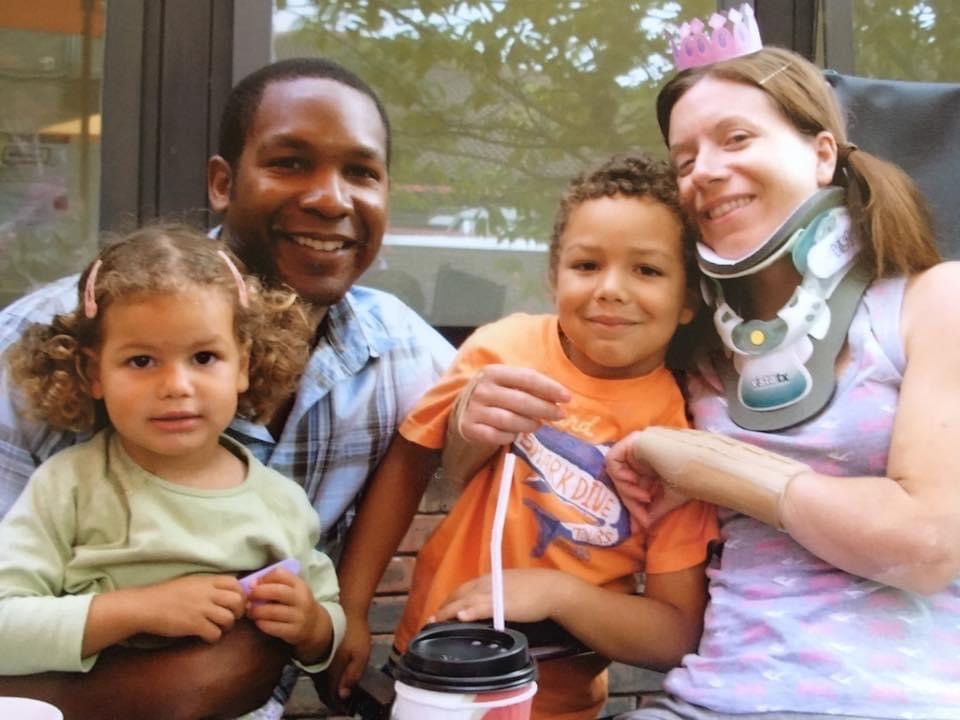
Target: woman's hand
column 282, row 605
column 503, row 401
column 647, row 498
column 528, row 596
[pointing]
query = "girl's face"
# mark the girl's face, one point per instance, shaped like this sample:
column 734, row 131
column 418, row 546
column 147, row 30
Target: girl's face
column 169, row 370
column 743, row 168
column 620, row 285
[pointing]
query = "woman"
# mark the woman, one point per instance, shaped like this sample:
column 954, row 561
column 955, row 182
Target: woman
column 853, row 609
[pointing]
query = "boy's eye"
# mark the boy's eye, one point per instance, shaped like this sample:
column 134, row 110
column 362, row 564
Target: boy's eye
column 204, row 357
column 649, row 270
column 585, row 265
column 140, row 361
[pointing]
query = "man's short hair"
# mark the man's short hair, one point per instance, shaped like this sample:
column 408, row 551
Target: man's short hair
column 244, row 99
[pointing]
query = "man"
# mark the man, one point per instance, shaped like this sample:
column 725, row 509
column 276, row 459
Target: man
column 301, row 179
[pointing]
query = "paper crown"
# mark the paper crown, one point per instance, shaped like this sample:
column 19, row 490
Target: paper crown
column 693, row 47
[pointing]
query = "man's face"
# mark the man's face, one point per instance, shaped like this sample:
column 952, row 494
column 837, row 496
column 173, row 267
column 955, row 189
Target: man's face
column 306, row 203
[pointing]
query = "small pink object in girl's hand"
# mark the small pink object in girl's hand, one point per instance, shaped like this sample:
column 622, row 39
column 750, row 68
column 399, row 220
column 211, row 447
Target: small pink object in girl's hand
column 248, row 581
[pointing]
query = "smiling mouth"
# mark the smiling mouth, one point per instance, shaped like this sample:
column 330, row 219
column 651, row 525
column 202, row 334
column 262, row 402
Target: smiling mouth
column 321, row 245
column 725, row 208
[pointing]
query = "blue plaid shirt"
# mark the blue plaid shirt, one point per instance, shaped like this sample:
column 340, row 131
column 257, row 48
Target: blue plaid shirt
column 374, row 361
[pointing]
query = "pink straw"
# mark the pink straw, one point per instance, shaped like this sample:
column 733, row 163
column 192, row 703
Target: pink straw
column 496, row 539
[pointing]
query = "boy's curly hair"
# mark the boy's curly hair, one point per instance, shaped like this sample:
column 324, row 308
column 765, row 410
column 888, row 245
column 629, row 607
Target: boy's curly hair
column 48, row 364
column 639, row 176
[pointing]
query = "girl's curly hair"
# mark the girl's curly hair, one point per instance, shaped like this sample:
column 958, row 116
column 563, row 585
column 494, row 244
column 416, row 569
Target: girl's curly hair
column 48, row 364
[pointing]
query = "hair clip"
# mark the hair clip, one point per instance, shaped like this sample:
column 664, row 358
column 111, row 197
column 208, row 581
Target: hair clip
column 693, row 47
column 241, row 285
column 89, row 291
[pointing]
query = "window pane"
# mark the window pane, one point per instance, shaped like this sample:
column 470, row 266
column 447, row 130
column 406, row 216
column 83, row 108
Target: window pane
column 907, row 40
column 50, row 72
column 494, row 105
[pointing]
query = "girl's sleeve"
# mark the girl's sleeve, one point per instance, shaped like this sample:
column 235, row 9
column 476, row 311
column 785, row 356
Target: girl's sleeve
column 40, row 628
column 318, row 572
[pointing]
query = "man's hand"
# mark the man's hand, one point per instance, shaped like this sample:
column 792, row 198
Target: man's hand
column 504, row 401
column 351, row 658
column 282, row 605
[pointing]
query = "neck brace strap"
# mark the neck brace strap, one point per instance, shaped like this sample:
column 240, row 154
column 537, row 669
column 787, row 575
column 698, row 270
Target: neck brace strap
column 783, row 370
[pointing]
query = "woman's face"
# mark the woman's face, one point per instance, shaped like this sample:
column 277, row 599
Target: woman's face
column 742, row 167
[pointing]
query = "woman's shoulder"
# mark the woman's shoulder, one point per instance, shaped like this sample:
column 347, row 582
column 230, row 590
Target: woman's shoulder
column 935, row 290
column 929, row 304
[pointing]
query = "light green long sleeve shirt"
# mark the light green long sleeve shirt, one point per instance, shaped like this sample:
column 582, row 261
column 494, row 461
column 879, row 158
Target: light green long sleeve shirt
column 90, row 521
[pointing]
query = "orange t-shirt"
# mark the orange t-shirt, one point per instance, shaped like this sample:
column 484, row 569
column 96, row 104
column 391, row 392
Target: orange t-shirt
column 563, row 512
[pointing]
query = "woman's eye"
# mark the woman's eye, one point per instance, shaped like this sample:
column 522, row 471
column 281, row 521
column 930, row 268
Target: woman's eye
column 204, row 357
column 140, row 361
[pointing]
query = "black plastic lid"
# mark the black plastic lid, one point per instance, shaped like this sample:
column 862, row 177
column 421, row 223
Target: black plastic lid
column 465, row 657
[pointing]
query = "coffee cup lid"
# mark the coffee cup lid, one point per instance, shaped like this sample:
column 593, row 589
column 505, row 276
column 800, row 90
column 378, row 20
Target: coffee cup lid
column 465, row 657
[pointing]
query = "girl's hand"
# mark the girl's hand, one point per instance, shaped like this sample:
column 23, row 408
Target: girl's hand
column 282, row 605
column 504, row 401
column 647, row 498
column 528, row 596
column 201, row 605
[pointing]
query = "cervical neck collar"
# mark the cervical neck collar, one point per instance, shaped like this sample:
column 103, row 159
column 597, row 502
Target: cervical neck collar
column 715, row 266
column 783, row 369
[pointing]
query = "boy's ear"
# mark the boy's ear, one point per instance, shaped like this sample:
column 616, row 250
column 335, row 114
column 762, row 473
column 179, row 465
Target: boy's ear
column 219, row 184
column 691, row 303
column 90, row 371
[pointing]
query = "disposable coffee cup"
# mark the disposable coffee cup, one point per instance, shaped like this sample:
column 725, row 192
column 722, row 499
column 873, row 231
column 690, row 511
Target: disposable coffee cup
column 464, row 671
column 19, row 708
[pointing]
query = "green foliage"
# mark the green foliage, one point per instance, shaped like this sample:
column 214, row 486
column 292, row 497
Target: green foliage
column 907, row 39
column 496, row 103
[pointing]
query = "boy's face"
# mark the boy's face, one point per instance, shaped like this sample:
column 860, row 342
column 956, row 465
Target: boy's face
column 620, row 286
column 306, row 203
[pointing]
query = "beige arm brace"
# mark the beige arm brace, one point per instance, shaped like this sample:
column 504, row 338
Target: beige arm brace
column 719, row 470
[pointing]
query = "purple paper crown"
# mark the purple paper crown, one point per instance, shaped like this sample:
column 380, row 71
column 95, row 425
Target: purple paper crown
column 693, row 47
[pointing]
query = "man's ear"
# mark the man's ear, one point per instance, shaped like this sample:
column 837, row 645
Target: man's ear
column 90, row 371
column 219, row 183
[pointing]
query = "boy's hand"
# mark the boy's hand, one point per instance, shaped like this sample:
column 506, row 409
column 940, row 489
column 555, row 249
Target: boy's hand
column 282, row 605
column 528, row 596
column 201, row 605
column 503, row 401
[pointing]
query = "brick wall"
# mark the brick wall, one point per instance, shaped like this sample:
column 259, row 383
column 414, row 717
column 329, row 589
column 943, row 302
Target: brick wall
column 628, row 685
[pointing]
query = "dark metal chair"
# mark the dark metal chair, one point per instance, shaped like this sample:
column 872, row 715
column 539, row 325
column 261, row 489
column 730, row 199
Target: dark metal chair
column 917, row 126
